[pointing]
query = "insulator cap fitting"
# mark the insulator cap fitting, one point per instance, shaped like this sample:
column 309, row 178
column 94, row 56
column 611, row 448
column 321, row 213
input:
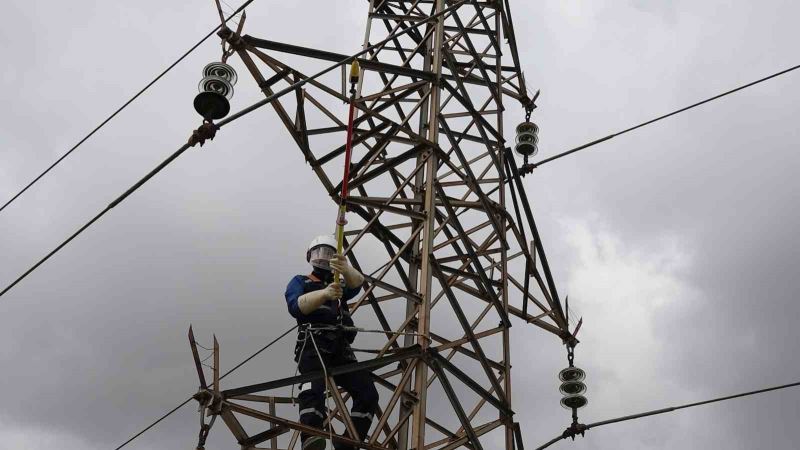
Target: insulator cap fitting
column 221, row 70
column 572, row 374
column 217, row 85
column 527, row 127
column 572, row 388
column 574, row 401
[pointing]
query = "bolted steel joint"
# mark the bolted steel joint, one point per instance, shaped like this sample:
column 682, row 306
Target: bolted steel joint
column 233, row 39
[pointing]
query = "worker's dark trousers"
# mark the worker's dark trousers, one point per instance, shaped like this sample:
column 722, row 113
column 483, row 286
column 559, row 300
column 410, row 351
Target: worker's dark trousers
column 358, row 384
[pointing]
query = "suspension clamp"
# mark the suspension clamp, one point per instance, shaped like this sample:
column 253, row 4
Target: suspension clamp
column 526, row 168
column 574, row 430
column 206, row 131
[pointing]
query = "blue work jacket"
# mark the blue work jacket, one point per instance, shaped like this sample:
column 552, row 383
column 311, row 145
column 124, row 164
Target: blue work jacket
column 327, row 313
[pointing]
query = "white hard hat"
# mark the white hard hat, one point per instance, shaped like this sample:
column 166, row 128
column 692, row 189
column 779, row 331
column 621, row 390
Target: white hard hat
column 321, row 250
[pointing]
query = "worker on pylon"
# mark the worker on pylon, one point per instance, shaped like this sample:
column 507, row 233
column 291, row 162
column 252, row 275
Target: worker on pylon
column 325, row 333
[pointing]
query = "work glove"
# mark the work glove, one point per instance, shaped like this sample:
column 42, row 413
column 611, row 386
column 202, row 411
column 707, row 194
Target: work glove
column 333, row 291
column 352, row 277
column 308, row 303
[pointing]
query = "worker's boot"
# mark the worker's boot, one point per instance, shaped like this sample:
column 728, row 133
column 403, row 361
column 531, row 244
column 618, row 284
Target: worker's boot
column 362, row 428
column 314, row 443
column 342, row 445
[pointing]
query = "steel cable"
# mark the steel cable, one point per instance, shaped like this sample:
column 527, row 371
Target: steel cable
column 532, row 166
column 670, row 409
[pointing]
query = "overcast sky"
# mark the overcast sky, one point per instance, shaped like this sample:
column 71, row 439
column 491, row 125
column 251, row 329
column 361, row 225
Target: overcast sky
column 677, row 243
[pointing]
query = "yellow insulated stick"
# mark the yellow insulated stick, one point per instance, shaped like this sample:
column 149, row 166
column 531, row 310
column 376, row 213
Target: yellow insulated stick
column 340, row 223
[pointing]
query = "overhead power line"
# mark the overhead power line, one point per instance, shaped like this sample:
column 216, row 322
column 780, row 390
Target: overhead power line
column 145, row 429
column 207, row 131
column 108, row 208
column 124, row 105
column 670, row 409
column 529, row 167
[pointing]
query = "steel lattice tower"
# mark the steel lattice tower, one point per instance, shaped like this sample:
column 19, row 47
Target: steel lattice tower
column 439, row 223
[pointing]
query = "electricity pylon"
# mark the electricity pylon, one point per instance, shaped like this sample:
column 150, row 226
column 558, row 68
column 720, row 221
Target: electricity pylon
column 439, row 223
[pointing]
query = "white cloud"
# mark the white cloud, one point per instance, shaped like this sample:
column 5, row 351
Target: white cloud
column 621, row 289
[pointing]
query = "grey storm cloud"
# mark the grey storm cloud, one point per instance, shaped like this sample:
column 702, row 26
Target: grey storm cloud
column 677, row 243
